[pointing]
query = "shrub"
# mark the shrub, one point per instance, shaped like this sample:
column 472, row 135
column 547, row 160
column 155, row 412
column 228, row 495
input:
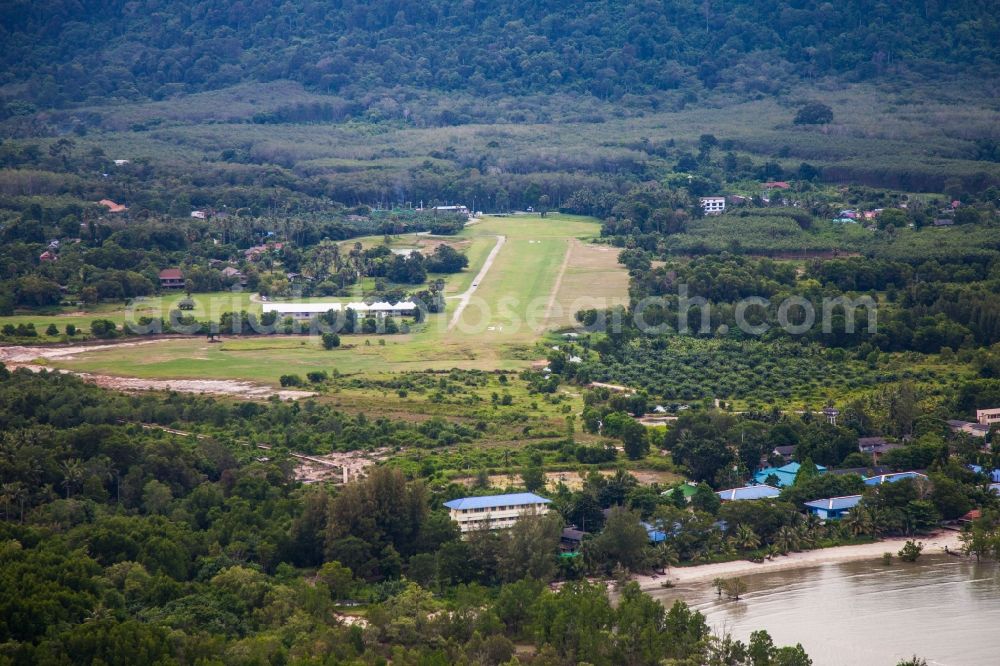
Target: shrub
column 317, row 376
column 70, row 329
column 911, row 551
column 331, row 341
column 290, row 380
column 52, row 330
column 103, row 328
column 814, row 114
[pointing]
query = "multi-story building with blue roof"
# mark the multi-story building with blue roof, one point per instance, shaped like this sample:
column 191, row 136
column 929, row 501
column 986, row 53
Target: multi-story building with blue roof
column 495, row 512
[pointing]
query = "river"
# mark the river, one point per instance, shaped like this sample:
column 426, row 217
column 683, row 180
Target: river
column 940, row 608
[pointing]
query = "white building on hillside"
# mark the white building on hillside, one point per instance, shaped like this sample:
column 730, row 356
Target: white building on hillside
column 988, row 417
column 495, row 512
column 713, row 205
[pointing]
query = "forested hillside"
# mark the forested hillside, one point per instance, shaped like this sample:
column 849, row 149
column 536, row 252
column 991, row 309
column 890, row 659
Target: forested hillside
column 58, row 52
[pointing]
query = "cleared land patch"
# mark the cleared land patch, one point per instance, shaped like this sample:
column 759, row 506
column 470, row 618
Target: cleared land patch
column 593, row 278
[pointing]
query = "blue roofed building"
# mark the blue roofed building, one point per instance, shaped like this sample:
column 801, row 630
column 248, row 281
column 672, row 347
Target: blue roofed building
column 495, row 512
column 893, row 478
column 748, row 493
column 655, row 535
column 832, row 508
column 993, row 474
column 785, row 474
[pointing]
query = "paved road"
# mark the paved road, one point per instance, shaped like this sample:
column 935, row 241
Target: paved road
column 467, row 295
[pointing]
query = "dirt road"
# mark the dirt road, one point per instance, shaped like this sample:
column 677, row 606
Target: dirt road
column 558, row 283
column 467, row 295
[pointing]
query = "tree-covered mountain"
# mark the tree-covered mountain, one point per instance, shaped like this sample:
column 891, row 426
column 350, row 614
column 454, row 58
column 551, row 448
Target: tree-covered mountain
column 59, row 53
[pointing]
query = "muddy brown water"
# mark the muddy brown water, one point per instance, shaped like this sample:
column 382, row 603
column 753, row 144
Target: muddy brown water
column 941, row 608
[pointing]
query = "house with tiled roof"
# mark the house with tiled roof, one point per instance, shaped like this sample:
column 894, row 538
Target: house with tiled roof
column 171, row 278
column 112, row 206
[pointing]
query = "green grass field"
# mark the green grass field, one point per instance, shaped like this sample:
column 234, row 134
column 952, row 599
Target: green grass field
column 207, row 306
column 523, row 275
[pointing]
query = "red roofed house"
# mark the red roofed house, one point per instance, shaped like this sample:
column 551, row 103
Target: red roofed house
column 171, row 278
column 975, row 514
column 112, row 206
column 776, row 185
column 48, row 255
column 254, row 253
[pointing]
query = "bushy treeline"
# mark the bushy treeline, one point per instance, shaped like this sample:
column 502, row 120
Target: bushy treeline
column 112, row 260
column 56, row 400
column 126, row 544
column 607, row 50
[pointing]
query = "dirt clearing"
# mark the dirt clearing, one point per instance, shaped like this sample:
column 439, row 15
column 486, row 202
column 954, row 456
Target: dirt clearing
column 34, row 359
column 591, row 277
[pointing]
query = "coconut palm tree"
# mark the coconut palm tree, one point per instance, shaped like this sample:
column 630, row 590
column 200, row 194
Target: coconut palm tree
column 805, row 535
column 6, row 497
column 879, row 520
column 72, row 474
column 663, row 557
column 859, row 521
column 787, row 539
column 746, row 538
column 20, row 494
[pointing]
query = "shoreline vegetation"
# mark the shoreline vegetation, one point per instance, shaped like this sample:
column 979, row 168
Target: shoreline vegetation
column 934, row 544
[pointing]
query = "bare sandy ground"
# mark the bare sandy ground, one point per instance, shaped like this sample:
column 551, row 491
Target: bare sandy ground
column 934, row 543
column 338, row 466
column 16, row 355
column 27, row 357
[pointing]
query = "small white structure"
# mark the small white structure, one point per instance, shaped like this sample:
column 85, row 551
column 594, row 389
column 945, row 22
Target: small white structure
column 713, row 205
column 988, row 417
column 300, row 311
column 495, row 512
column 384, row 309
column 306, row 311
column 200, row 214
column 121, row 162
column 974, row 429
column 451, row 209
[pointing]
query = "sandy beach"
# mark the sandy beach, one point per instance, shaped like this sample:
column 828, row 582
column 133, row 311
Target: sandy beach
column 934, row 543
